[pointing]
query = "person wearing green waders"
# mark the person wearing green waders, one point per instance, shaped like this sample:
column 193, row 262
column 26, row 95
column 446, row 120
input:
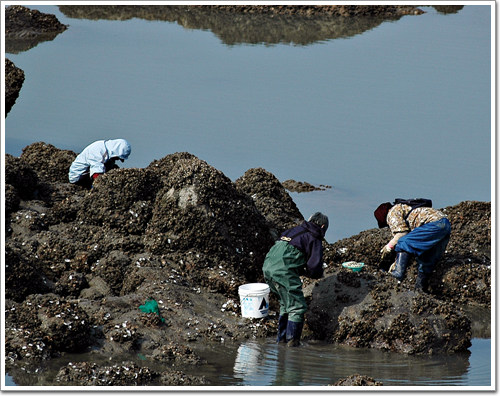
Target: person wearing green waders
column 299, row 251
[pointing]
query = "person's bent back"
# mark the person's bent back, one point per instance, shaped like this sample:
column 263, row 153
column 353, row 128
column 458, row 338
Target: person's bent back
column 96, row 159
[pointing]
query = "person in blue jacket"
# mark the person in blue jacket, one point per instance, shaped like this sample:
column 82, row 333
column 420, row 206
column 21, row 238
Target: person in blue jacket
column 96, row 159
column 299, row 251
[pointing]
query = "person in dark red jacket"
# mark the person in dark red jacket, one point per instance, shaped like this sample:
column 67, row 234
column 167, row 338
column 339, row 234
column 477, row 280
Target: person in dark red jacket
column 299, row 251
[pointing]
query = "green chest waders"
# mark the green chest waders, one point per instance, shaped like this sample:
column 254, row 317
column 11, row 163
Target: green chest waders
column 281, row 271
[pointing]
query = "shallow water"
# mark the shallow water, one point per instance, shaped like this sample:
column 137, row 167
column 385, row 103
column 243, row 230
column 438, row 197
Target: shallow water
column 399, row 109
column 402, row 109
column 267, row 364
column 263, row 363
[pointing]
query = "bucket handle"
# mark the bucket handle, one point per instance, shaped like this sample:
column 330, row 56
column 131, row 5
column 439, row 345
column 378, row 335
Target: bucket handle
column 255, row 294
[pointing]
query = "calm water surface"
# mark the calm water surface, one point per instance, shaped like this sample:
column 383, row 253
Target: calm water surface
column 268, row 364
column 263, row 363
column 401, row 109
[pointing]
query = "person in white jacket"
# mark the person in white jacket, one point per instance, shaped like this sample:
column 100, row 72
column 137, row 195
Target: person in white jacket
column 96, row 159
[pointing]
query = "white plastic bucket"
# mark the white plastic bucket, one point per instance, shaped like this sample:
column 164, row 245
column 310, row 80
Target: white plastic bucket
column 254, row 300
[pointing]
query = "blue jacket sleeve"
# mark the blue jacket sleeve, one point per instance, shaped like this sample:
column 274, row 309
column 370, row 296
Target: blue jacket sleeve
column 315, row 262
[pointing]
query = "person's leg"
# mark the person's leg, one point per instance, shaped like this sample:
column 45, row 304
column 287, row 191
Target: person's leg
column 282, row 295
column 273, row 269
column 281, row 268
column 297, row 308
column 400, row 265
column 427, row 262
column 293, row 333
column 282, row 327
column 84, row 181
column 424, row 238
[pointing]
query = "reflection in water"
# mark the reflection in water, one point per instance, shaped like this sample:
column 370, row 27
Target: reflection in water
column 260, row 363
column 24, row 42
column 239, row 28
column 245, row 27
column 448, row 9
column 250, row 362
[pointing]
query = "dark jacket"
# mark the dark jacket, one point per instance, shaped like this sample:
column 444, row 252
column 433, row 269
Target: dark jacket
column 307, row 237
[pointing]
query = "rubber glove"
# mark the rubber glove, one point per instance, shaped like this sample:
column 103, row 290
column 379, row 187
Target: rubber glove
column 386, row 250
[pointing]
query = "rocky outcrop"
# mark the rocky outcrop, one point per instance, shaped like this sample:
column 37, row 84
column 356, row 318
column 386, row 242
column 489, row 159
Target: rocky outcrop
column 357, row 380
column 271, row 199
column 79, row 263
column 25, row 28
column 14, row 79
column 126, row 373
column 298, row 186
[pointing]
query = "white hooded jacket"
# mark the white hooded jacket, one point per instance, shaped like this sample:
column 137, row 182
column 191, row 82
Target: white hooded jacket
column 92, row 159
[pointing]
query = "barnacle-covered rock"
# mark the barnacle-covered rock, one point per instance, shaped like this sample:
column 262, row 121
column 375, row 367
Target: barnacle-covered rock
column 43, row 326
column 181, row 233
column 14, row 79
column 271, row 199
column 25, row 28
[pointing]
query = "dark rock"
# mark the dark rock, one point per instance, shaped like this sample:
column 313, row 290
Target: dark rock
column 71, row 283
column 91, row 374
column 180, row 232
column 14, row 79
column 12, row 199
column 409, row 323
column 111, row 268
column 22, row 274
column 22, row 21
column 20, row 176
column 25, row 28
column 126, row 373
column 357, row 380
column 121, row 201
column 50, row 163
column 297, row 186
column 176, row 354
column 271, row 199
column 198, row 209
column 46, row 325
